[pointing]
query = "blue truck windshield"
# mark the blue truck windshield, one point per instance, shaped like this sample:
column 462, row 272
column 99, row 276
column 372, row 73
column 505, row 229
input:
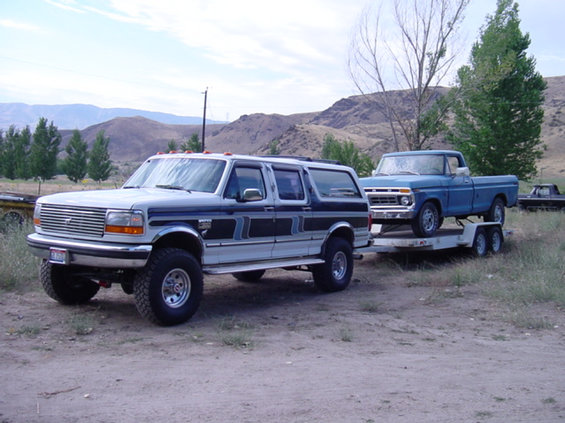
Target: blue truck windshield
column 420, row 164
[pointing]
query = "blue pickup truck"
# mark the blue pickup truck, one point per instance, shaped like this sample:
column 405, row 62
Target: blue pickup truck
column 421, row 188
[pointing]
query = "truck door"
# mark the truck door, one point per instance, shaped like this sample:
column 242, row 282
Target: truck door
column 292, row 210
column 460, row 189
column 248, row 215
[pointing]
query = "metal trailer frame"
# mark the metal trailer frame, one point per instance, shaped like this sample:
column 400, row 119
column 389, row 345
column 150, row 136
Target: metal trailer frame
column 402, row 240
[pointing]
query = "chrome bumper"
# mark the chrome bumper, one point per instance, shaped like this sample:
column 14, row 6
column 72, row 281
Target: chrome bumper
column 88, row 253
column 393, row 214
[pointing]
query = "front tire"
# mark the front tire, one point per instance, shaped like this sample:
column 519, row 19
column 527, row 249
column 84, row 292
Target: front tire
column 335, row 273
column 63, row 286
column 427, row 222
column 168, row 289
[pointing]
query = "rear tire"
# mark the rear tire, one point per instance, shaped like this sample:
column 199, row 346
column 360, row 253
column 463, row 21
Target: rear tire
column 63, row 286
column 335, row 273
column 480, row 243
column 497, row 212
column 169, row 288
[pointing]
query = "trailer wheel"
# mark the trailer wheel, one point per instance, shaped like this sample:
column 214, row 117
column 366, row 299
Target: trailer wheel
column 495, row 239
column 480, row 243
column 427, row 222
column 249, row 276
column 496, row 212
column 335, row 273
column 168, row 289
column 63, row 286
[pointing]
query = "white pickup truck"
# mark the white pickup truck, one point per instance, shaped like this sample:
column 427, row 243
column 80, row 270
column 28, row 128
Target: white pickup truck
column 181, row 215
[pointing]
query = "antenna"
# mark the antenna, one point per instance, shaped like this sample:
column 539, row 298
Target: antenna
column 204, row 119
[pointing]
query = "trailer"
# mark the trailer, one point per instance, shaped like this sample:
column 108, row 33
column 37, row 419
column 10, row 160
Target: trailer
column 16, row 207
column 481, row 238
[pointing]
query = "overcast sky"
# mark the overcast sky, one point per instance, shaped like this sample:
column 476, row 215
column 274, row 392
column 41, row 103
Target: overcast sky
column 254, row 56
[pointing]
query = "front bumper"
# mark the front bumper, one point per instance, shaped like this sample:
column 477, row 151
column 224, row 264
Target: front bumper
column 392, row 214
column 88, row 253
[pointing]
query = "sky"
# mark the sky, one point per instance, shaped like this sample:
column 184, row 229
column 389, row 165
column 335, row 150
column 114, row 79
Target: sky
column 251, row 56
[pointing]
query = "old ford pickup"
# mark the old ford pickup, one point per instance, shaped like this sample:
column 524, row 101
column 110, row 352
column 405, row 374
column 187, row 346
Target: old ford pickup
column 421, row 188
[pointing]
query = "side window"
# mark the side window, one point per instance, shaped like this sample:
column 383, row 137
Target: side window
column 453, row 163
column 335, row 183
column 289, row 184
column 243, row 178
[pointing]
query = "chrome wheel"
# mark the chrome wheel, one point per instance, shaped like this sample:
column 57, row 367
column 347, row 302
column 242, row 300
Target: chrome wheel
column 339, row 265
column 176, row 288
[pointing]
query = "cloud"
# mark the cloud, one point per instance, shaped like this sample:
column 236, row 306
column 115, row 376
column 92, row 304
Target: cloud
column 19, row 25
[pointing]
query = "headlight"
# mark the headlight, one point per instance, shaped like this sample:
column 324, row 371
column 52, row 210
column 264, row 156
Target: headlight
column 124, row 222
column 37, row 215
column 406, row 200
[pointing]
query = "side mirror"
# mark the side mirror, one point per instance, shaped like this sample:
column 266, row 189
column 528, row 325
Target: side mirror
column 462, row 171
column 252, row 194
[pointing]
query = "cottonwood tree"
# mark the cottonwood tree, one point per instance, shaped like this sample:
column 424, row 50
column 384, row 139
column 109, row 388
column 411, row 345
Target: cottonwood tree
column 499, row 111
column 75, row 164
column 192, row 144
column 99, row 163
column 413, row 51
column 43, row 151
column 347, row 154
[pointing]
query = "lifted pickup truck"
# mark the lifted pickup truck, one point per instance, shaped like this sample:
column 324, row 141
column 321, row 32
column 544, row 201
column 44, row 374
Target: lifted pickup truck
column 542, row 197
column 421, row 188
column 181, row 215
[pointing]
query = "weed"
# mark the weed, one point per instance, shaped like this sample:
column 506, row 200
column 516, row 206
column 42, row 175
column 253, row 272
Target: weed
column 370, row 306
column 81, row 324
column 29, row 330
column 345, row 334
column 549, row 400
column 235, row 333
column 18, row 267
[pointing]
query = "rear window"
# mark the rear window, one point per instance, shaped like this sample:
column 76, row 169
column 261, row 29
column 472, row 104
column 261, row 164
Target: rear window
column 335, row 184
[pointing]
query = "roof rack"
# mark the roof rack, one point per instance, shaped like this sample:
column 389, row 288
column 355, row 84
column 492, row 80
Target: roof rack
column 302, row 158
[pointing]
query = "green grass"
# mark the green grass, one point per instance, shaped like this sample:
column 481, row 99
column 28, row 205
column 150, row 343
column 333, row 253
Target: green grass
column 18, row 267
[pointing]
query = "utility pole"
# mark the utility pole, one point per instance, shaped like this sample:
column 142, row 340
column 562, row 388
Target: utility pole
column 204, row 119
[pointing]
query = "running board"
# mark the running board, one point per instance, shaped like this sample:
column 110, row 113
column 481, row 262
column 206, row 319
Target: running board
column 260, row 265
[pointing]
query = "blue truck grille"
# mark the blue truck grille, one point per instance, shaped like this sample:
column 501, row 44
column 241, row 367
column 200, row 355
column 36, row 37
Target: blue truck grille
column 73, row 220
column 383, row 200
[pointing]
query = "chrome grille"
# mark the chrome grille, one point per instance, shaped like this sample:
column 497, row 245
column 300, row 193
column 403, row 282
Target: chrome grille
column 383, row 200
column 73, row 220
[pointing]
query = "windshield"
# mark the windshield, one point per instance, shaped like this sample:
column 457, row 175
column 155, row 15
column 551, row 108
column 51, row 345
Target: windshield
column 420, row 164
column 178, row 173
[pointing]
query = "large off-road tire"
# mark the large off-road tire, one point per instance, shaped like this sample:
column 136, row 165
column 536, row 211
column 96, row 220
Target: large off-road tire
column 249, row 276
column 427, row 222
column 61, row 284
column 480, row 245
column 495, row 239
column 168, row 289
column 497, row 212
column 335, row 273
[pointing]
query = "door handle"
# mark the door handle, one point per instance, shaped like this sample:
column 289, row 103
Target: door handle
column 269, row 208
column 307, row 209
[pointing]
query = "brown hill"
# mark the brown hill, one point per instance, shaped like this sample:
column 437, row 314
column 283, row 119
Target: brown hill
column 357, row 118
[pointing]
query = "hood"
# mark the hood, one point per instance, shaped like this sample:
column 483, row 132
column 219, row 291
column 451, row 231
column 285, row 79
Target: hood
column 133, row 198
column 404, row 181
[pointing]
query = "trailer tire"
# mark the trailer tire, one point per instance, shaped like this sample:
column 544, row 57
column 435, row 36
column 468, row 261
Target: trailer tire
column 335, row 273
column 480, row 245
column 496, row 212
column 427, row 221
column 63, row 286
column 495, row 239
column 169, row 288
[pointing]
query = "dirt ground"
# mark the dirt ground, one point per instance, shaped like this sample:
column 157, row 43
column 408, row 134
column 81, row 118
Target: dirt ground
column 384, row 350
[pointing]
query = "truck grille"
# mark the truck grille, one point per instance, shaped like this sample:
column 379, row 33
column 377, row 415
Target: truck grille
column 73, row 220
column 383, row 200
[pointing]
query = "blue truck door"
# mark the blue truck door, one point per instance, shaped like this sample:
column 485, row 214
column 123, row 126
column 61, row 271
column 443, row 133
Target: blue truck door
column 460, row 189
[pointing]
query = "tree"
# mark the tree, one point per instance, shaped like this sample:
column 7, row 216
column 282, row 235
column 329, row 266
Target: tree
column 274, row 148
column 75, row 164
column 192, row 144
column 43, row 151
column 172, row 146
column 498, row 114
column 14, row 153
column 415, row 54
column 347, row 154
column 99, row 163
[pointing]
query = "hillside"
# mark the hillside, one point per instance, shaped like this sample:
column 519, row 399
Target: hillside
column 357, row 118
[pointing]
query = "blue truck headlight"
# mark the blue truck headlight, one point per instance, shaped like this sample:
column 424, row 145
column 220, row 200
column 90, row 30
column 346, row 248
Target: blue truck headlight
column 406, row 200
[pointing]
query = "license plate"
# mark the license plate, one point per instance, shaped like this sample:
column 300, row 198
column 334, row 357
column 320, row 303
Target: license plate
column 58, row 256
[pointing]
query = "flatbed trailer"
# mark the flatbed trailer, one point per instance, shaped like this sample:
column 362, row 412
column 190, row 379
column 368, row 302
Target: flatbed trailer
column 481, row 238
column 16, row 207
